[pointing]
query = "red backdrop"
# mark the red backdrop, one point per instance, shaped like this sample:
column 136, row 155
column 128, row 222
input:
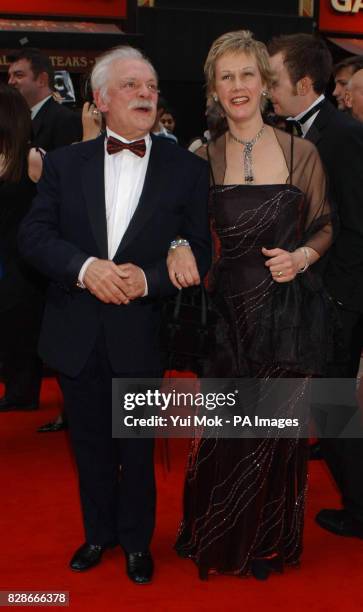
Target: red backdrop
column 331, row 20
column 82, row 8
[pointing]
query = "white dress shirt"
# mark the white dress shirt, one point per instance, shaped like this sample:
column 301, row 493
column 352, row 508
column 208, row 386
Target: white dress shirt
column 305, row 127
column 124, row 181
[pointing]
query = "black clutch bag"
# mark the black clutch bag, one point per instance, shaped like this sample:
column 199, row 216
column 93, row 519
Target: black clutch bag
column 188, row 330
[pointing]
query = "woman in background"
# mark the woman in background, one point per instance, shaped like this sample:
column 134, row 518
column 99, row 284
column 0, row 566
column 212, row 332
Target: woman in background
column 21, row 289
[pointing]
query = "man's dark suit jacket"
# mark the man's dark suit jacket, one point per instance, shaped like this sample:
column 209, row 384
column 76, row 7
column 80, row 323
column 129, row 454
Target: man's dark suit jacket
column 339, row 140
column 67, row 224
column 55, row 126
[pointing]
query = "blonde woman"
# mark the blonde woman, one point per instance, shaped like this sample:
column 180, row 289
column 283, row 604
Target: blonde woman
column 244, row 498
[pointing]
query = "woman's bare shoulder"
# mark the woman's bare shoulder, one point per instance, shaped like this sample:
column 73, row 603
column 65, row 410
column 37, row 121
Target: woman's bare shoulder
column 35, row 164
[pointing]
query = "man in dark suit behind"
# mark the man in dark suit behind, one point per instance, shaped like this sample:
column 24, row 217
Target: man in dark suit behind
column 302, row 64
column 53, row 125
column 100, row 229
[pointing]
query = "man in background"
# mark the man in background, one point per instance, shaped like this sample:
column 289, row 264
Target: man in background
column 354, row 95
column 302, row 65
column 54, row 125
column 158, row 128
column 342, row 73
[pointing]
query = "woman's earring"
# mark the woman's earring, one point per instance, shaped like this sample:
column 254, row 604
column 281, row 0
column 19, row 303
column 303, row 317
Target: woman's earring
column 215, row 98
column 265, row 93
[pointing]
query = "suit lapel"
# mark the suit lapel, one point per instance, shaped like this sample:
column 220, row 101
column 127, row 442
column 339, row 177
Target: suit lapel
column 314, row 134
column 93, row 185
column 37, row 122
column 36, row 125
column 150, row 194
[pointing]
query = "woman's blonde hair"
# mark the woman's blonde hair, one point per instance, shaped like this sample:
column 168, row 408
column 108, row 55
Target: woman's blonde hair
column 241, row 41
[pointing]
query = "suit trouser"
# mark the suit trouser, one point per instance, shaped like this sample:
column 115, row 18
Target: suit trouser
column 344, row 456
column 116, row 476
column 22, row 367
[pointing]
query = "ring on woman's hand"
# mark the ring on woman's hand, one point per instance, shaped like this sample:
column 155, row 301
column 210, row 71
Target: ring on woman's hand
column 279, row 273
column 95, row 111
column 177, row 275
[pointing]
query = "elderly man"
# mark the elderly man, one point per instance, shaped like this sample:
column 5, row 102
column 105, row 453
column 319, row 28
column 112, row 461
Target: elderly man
column 354, row 95
column 302, row 67
column 100, row 229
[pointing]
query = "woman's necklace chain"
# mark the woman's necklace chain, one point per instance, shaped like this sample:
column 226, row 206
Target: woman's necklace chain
column 247, row 153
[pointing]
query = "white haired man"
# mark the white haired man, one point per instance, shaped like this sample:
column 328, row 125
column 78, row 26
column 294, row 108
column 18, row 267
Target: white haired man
column 100, row 229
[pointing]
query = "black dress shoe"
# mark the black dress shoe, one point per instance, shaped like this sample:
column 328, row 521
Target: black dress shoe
column 340, row 522
column 315, row 453
column 87, row 556
column 52, row 426
column 203, row 572
column 139, row 567
column 262, row 568
column 7, row 405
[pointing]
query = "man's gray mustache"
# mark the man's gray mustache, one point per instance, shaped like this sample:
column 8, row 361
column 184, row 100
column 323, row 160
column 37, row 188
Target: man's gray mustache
column 137, row 104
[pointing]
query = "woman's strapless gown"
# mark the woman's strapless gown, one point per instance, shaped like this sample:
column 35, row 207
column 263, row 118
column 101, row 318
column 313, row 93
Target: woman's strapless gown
column 244, row 498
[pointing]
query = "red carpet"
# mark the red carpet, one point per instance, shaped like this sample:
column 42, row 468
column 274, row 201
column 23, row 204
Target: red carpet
column 41, row 527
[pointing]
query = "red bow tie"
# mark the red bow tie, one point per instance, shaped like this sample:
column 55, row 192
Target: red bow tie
column 114, row 146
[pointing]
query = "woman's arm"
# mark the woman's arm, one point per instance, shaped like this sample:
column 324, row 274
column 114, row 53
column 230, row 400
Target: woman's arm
column 285, row 265
column 182, row 267
column 35, row 164
column 310, row 178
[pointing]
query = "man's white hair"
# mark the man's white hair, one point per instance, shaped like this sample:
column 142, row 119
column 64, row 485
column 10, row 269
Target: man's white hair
column 101, row 70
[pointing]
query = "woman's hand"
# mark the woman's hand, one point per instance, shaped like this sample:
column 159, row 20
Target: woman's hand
column 91, row 121
column 182, row 267
column 284, row 265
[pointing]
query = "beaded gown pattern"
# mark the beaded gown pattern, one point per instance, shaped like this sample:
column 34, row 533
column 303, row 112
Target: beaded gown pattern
column 244, row 498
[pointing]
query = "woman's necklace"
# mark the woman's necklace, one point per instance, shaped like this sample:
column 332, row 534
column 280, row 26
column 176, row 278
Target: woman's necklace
column 247, row 153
